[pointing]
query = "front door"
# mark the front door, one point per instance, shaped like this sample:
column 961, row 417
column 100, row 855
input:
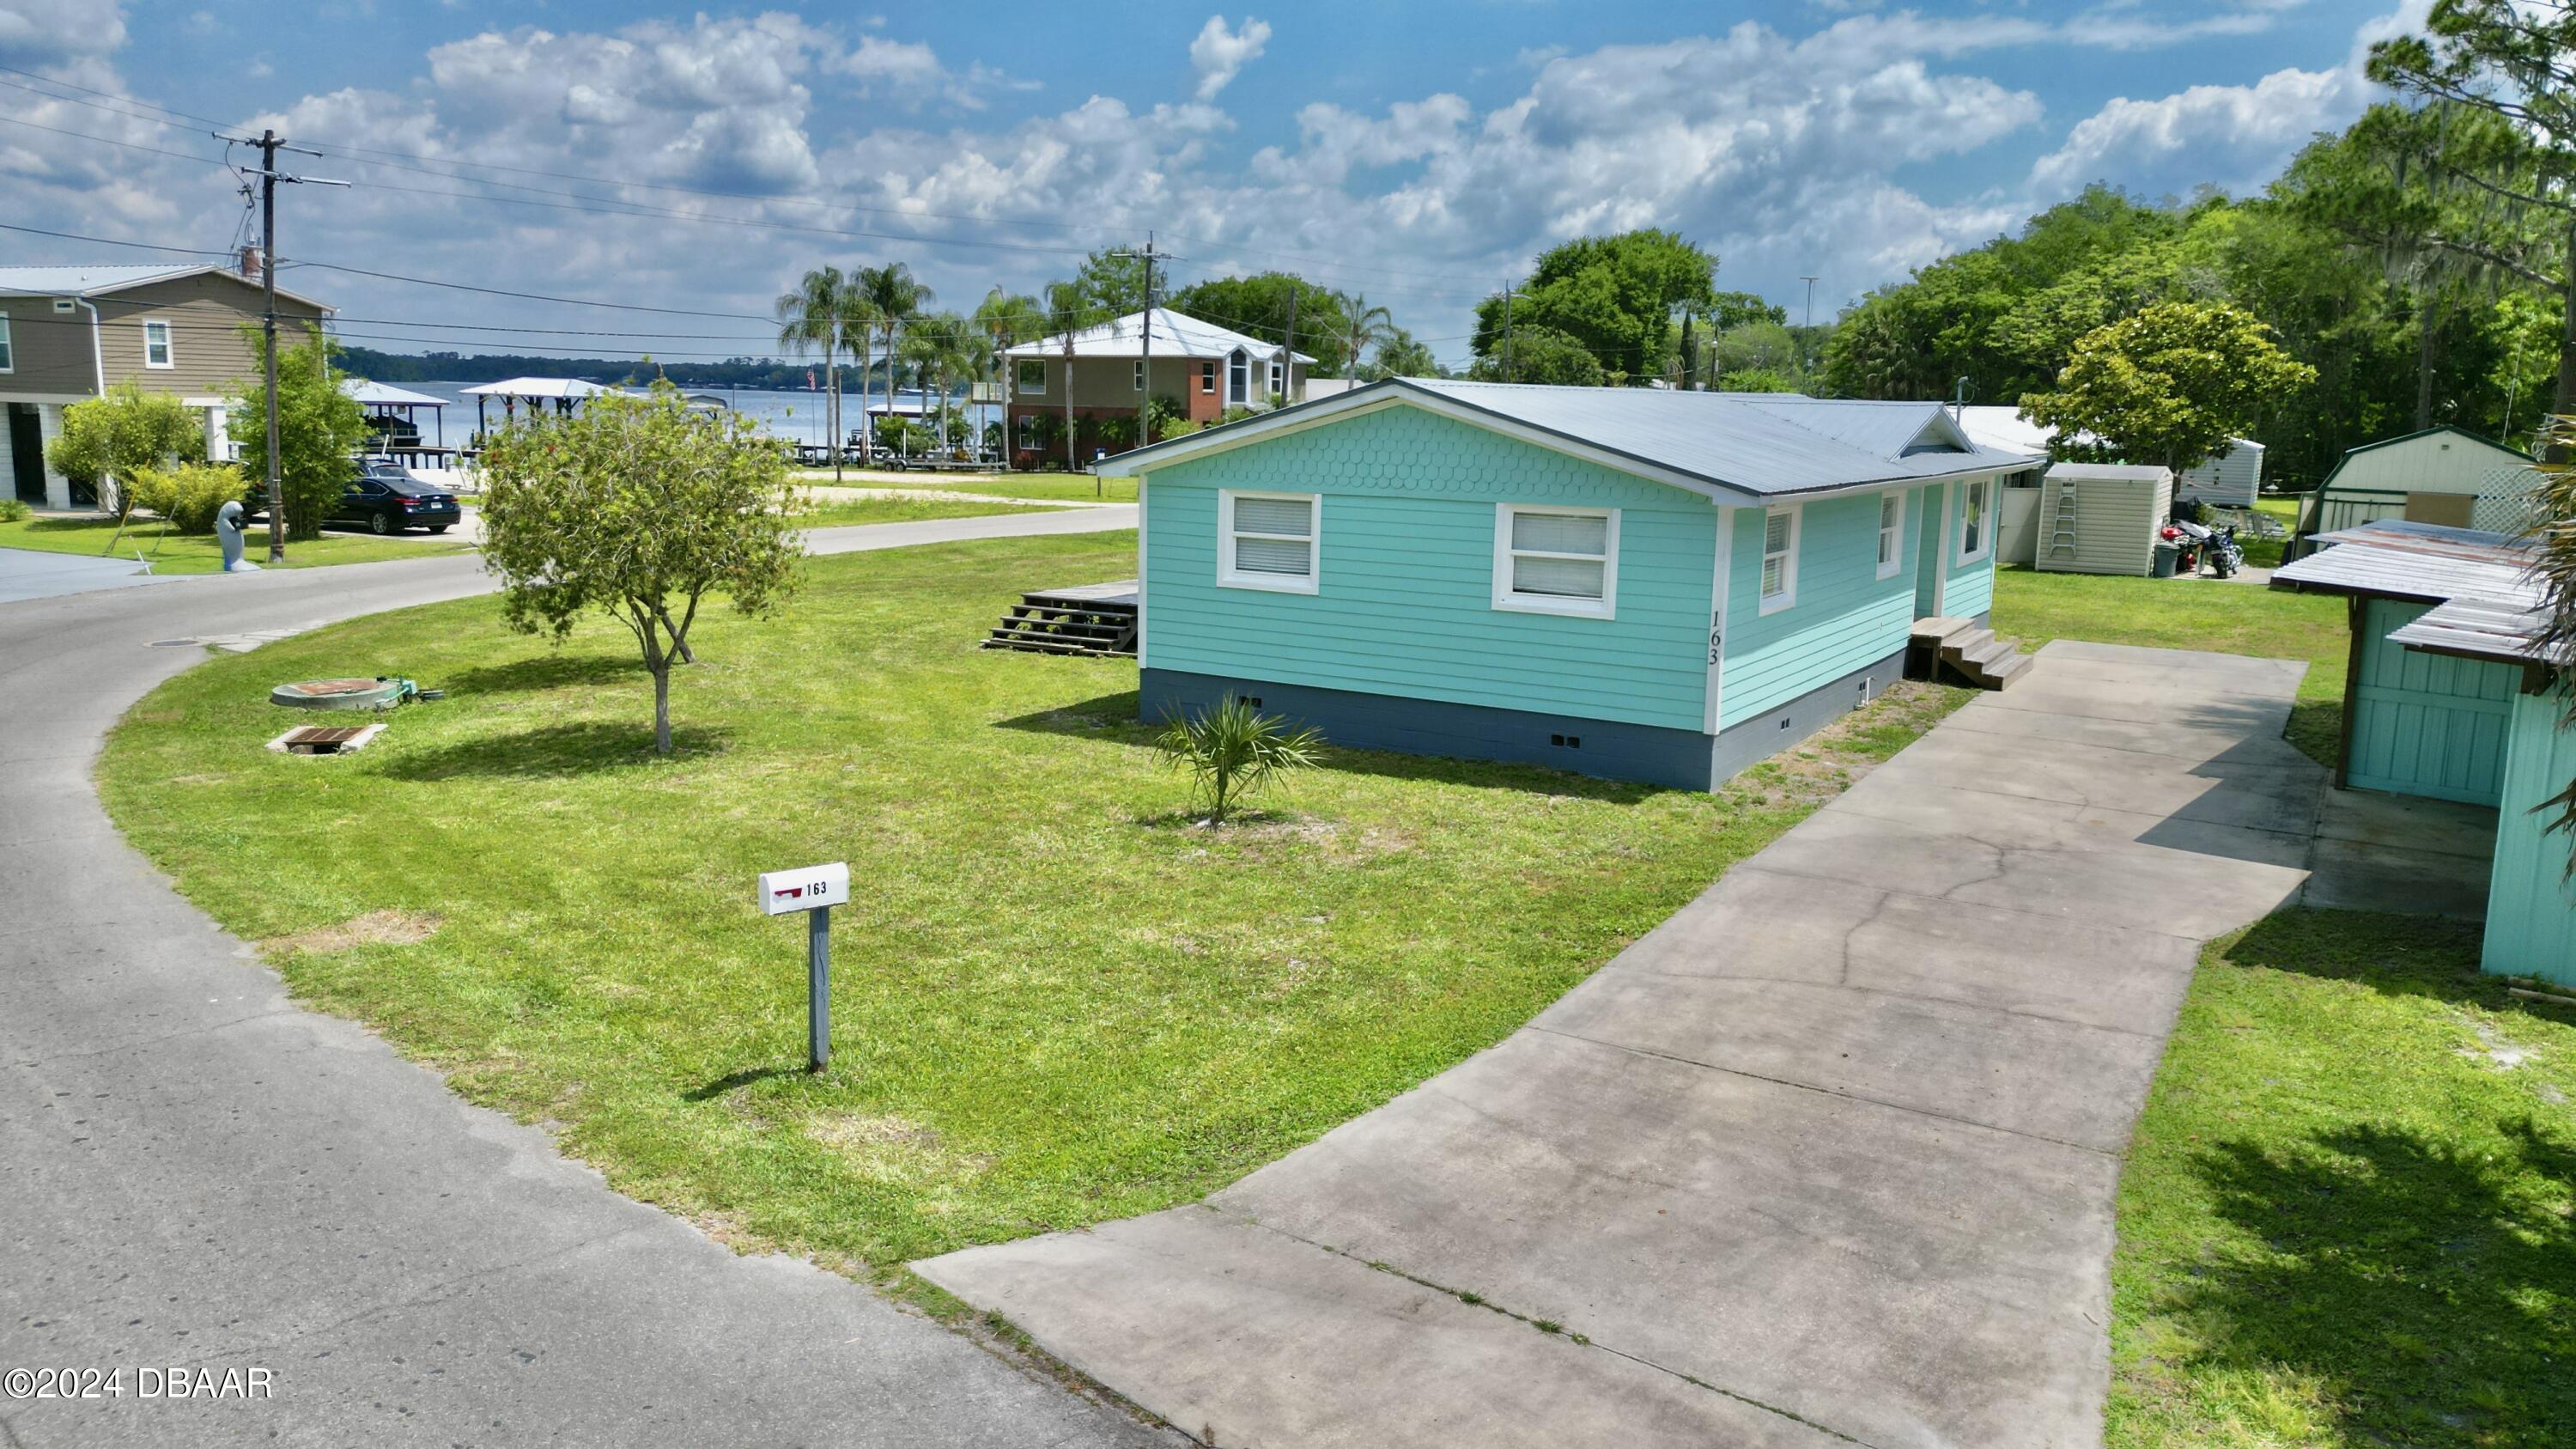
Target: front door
column 27, row 452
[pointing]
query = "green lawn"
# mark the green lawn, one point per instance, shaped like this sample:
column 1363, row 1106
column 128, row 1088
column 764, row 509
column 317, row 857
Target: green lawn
column 2349, row 1214
column 2225, row 618
column 201, row 554
column 1057, row 1000
column 1060, row 487
column 833, row 513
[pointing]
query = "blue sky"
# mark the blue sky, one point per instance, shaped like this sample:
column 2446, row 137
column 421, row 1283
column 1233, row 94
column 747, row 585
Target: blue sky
column 1418, row 152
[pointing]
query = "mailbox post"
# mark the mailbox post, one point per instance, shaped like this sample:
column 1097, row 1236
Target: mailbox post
column 813, row 890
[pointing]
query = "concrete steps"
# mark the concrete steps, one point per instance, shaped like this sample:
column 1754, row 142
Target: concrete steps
column 1968, row 652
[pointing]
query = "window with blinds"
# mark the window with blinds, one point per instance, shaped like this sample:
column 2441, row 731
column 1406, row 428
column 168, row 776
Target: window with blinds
column 1779, row 559
column 1556, row 560
column 1269, row 540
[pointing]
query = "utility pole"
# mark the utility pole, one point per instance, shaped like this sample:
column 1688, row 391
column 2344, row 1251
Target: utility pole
column 1811, row 299
column 1288, row 350
column 1145, row 350
column 269, row 145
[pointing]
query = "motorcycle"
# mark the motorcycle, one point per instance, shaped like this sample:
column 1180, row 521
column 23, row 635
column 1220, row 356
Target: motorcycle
column 2203, row 546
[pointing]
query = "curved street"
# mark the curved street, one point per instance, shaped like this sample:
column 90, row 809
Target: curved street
column 203, row 1175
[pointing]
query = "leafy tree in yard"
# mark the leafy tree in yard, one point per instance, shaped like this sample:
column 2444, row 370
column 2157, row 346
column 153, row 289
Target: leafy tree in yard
column 1232, row 750
column 1260, row 306
column 1400, row 355
column 2170, row 384
column 106, row 441
column 641, row 508
column 319, row 427
column 2508, row 59
column 1543, row 354
column 1616, row 297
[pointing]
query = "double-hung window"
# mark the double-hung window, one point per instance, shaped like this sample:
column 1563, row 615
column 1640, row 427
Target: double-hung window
column 1556, row 560
column 1207, row 378
column 1891, row 534
column 8, row 354
column 1278, row 382
column 1779, row 559
column 156, row 344
column 1032, row 374
column 1140, row 374
column 1268, row 540
column 1238, row 373
column 1976, row 529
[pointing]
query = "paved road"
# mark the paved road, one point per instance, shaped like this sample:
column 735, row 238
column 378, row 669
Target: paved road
column 1827, row 1158
column 199, row 1173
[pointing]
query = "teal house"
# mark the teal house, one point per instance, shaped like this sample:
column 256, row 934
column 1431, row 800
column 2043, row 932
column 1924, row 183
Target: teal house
column 1631, row 583
column 2449, row 697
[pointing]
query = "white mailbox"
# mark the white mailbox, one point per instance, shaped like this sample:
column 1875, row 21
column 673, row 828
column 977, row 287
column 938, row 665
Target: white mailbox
column 782, row 891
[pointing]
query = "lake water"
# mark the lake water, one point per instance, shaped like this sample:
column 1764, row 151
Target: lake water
column 796, row 416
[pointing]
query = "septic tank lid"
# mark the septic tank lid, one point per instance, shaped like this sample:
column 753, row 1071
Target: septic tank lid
column 338, row 693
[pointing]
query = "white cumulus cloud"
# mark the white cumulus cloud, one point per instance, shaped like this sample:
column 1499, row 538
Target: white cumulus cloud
column 1220, row 54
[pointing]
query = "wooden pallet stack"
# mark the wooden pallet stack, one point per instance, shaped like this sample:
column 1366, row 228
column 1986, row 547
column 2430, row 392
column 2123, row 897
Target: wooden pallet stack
column 1091, row 619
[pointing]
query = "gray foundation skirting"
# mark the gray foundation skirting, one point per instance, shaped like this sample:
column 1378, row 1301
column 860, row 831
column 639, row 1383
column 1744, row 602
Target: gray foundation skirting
column 1647, row 754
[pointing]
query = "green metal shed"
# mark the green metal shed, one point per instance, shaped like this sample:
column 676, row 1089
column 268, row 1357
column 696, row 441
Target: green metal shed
column 2449, row 697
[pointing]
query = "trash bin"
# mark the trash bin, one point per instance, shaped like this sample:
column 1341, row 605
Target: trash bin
column 2166, row 555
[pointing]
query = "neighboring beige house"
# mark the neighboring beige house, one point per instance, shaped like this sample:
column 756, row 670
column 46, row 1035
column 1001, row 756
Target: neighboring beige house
column 1203, row 367
column 67, row 333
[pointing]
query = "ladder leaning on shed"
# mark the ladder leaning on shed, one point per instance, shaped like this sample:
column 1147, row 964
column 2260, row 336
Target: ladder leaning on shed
column 1091, row 619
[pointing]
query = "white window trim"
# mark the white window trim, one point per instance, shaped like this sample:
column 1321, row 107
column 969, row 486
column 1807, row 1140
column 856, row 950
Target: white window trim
column 1021, row 370
column 1228, row 576
column 1140, row 374
column 1238, row 378
column 1896, row 552
column 1207, row 377
column 8, row 346
column 1788, row 595
column 1278, row 383
column 169, row 345
column 1505, row 597
column 1985, row 534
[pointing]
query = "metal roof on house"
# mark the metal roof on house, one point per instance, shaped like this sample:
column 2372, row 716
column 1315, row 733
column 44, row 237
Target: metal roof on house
column 385, row 394
column 1750, row 446
column 1996, row 426
column 99, row 279
column 2391, row 558
column 2488, row 604
column 539, row 387
column 1176, row 334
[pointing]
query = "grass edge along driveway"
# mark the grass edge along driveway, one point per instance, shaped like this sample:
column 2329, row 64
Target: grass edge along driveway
column 1057, row 999
column 2348, row 1215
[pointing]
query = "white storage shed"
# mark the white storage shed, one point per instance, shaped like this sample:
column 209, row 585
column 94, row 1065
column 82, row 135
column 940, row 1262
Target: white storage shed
column 2233, row 479
column 2101, row 518
column 2445, row 476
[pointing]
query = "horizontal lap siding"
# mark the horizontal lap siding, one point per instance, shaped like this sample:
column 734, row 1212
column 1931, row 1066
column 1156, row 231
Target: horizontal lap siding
column 1970, row 591
column 1405, row 602
column 2531, row 905
column 2427, row 724
column 1846, row 617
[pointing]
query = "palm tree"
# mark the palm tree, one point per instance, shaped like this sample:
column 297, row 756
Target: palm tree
column 1365, row 327
column 815, row 317
column 931, row 345
column 1072, row 312
column 1008, row 319
column 894, row 297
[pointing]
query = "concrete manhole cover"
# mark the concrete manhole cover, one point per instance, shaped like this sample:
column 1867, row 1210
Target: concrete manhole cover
column 338, row 694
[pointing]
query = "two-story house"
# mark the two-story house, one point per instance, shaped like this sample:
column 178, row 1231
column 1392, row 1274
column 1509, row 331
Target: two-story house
column 68, row 333
column 1109, row 369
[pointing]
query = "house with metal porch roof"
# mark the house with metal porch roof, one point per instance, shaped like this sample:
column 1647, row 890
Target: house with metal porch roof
column 2450, row 696
column 1104, row 372
column 1634, row 583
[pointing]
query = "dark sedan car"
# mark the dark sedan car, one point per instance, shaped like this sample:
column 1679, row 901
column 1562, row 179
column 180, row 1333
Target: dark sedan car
column 389, row 500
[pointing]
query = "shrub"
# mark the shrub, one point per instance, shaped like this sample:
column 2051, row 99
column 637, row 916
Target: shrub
column 1233, row 750
column 106, row 440
column 13, row 510
column 189, row 496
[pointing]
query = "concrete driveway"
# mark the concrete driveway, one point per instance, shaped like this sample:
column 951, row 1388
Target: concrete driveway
column 1827, row 1158
column 201, row 1174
